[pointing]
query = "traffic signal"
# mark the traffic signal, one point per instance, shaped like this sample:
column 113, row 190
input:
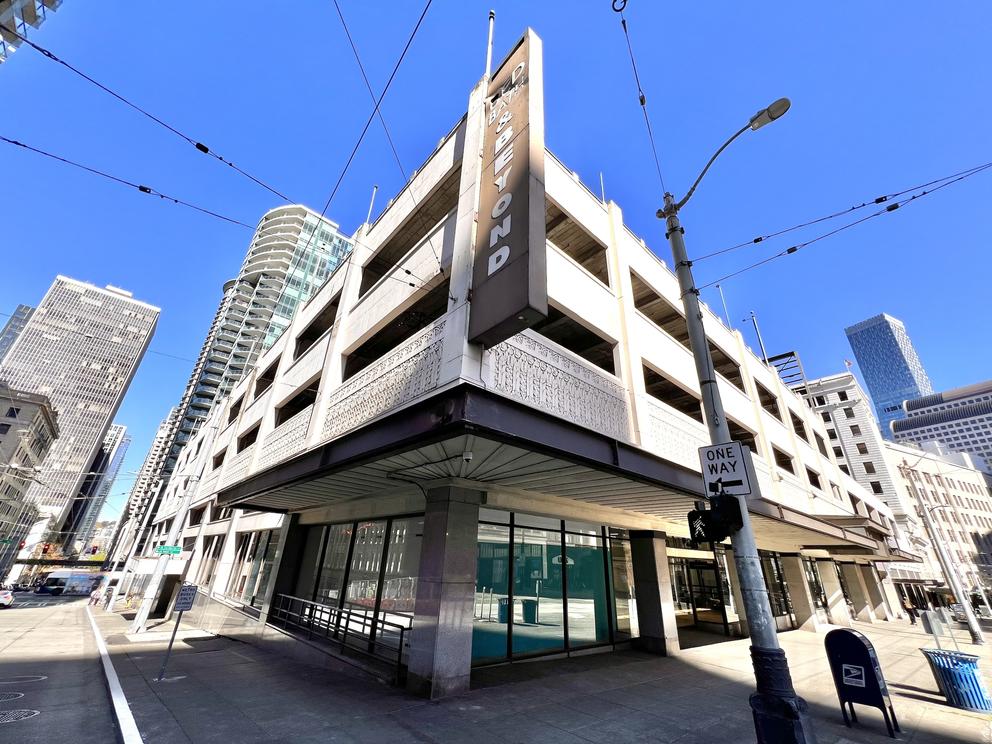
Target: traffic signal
column 44, row 548
column 94, row 550
column 717, row 523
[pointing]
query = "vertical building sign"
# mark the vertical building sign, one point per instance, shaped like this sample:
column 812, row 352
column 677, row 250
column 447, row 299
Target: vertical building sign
column 509, row 280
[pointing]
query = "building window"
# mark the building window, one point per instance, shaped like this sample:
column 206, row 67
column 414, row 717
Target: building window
column 298, row 403
column 825, row 416
column 862, row 448
column 661, row 387
column 783, row 460
column 265, row 380
column 876, row 487
column 832, row 435
column 247, row 439
column 798, row 426
column 13, row 412
column 4, row 428
column 235, row 410
column 219, row 458
column 849, row 412
column 317, row 328
column 814, row 479
column 820, row 444
column 844, row 469
column 820, row 400
column 842, row 394
column 768, row 400
column 739, row 434
column 838, row 452
column 855, row 430
column 869, row 467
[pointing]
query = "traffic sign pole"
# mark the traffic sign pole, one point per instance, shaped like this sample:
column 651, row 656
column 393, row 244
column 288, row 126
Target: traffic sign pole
column 184, row 602
column 780, row 715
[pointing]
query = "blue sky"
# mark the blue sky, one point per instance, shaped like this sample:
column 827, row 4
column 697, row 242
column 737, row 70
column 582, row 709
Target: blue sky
column 883, row 99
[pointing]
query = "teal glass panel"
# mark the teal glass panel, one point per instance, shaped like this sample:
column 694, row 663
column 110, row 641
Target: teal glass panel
column 538, row 607
column 491, row 614
column 588, row 601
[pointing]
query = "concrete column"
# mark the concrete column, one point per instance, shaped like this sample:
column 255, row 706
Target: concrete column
column 653, row 588
column 859, row 592
column 891, row 594
column 440, row 659
column 875, row 595
column 836, row 603
column 735, row 588
column 799, row 594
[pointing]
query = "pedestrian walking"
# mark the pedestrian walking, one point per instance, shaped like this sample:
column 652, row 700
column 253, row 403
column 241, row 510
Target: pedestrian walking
column 910, row 610
column 95, row 596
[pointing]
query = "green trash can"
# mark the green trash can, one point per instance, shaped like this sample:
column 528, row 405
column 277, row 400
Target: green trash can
column 503, row 610
column 958, row 679
column 530, row 610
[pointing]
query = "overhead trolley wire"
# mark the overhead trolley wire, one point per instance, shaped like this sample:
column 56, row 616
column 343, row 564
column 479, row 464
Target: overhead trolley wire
column 891, row 207
column 143, row 189
column 877, row 200
column 385, row 128
column 195, row 143
column 618, row 7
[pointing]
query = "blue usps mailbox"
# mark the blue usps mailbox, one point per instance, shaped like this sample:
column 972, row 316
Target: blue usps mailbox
column 858, row 676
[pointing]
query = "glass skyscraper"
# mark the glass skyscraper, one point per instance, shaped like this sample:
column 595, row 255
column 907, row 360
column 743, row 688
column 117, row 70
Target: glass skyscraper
column 891, row 368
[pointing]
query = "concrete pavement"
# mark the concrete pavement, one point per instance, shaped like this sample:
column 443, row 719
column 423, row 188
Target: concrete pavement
column 221, row 690
column 49, row 663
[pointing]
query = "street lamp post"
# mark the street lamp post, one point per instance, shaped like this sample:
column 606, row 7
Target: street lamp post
column 780, row 715
column 950, row 575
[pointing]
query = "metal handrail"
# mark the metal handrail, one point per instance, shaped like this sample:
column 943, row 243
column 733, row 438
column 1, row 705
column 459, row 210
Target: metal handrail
column 339, row 624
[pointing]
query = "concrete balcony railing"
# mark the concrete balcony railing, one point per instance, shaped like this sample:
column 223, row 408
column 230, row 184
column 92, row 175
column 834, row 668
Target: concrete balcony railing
column 669, row 434
column 537, row 372
column 238, row 467
column 402, row 375
column 286, row 440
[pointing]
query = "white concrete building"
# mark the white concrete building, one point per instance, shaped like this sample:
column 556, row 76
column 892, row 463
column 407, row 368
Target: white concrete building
column 875, row 463
column 444, row 503
column 957, row 492
column 960, row 419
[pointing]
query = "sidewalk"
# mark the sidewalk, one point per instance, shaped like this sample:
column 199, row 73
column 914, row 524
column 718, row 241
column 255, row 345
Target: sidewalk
column 217, row 689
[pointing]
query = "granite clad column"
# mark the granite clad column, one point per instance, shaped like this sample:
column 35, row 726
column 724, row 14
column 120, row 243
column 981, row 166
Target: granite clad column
column 875, row 595
column 836, row 602
column 802, row 600
column 859, row 592
column 440, row 659
column 653, row 589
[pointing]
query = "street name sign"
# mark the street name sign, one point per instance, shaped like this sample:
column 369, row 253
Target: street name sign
column 168, row 550
column 725, row 469
column 184, row 602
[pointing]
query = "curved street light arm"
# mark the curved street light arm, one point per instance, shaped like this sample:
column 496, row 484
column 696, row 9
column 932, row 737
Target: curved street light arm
column 723, row 147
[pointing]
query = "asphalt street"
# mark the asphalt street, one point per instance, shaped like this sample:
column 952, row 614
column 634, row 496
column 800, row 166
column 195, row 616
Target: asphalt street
column 52, row 688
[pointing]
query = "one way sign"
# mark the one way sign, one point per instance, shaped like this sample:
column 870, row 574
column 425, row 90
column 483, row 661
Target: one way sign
column 726, row 469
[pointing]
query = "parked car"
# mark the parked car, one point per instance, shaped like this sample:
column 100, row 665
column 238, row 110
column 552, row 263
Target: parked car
column 6, row 598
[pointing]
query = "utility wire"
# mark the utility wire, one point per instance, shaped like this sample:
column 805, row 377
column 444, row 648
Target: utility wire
column 618, row 6
column 893, row 206
column 856, row 207
column 198, row 145
column 375, row 110
column 385, row 129
column 143, row 189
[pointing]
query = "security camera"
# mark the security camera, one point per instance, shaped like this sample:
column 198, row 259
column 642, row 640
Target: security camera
column 466, row 457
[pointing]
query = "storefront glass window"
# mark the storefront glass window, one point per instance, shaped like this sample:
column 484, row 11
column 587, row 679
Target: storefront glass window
column 538, row 602
column 491, row 616
column 331, row 579
column 624, row 600
column 588, row 602
column 366, row 558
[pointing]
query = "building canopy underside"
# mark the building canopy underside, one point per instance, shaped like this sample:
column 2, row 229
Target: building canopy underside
column 522, row 459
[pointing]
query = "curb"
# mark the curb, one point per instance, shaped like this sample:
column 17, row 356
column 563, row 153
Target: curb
column 122, row 711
